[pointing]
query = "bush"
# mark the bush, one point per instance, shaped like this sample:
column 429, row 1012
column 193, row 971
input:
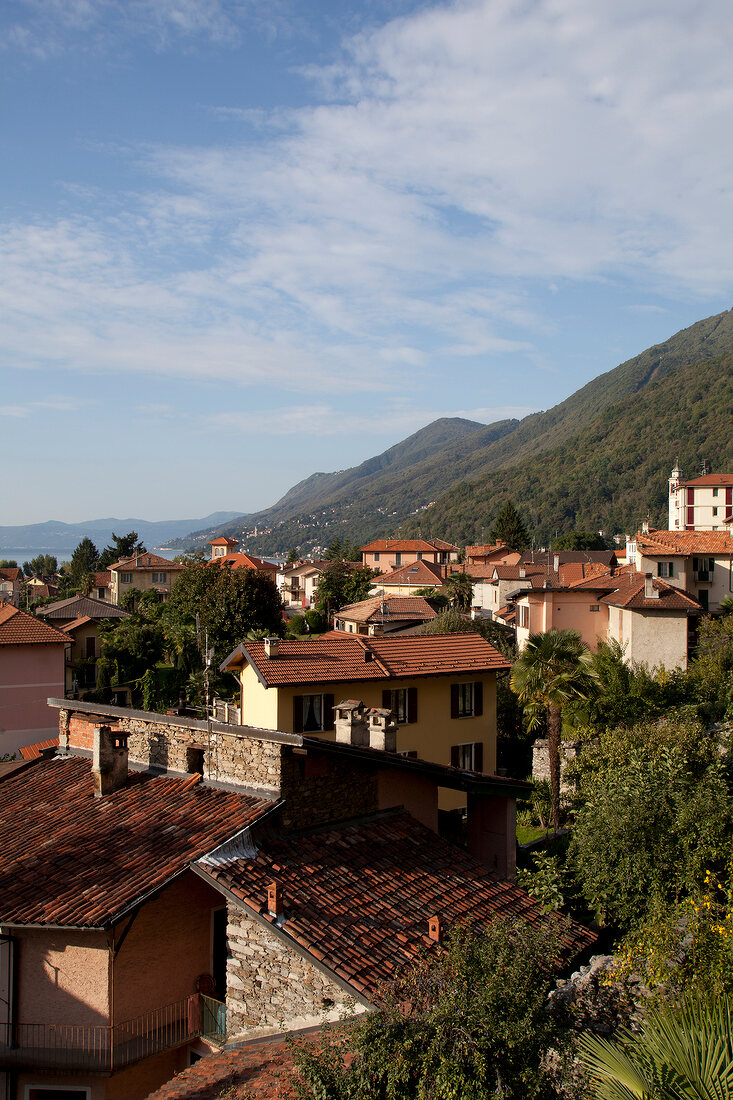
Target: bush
column 296, row 625
column 316, row 622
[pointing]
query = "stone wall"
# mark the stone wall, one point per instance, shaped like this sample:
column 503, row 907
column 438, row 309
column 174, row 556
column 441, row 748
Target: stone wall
column 271, row 985
column 318, row 789
column 163, row 742
column 541, row 760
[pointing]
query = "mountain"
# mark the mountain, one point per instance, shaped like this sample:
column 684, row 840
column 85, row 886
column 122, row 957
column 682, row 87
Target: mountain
column 450, row 478
column 53, row 535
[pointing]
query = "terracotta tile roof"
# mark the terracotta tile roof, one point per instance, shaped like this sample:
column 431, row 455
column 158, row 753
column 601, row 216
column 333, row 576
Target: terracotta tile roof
column 389, row 608
column 146, row 562
column 257, row 1070
column 421, row 574
column 18, row 628
column 223, row 541
column 245, row 561
column 407, row 545
column 350, row 657
column 358, row 896
column 513, row 572
column 101, row 580
column 630, row 593
column 34, row 752
column 709, row 479
column 487, row 549
column 69, row 628
column 572, row 572
column 72, row 859
column 11, row 573
column 684, row 543
column 75, row 606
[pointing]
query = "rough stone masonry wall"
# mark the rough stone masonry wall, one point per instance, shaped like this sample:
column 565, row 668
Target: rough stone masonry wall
column 541, row 760
column 231, row 756
column 319, row 789
column 271, row 985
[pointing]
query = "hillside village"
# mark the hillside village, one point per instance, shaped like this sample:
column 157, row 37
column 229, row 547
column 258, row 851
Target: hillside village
column 261, row 792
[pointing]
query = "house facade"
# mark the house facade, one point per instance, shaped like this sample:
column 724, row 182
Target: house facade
column 11, row 578
column 384, row 615
column 386, row 555
column 31, row 669
column 298, row 583
column 144, row 572
column 701, row 503
column 440, row 688
column 698, row 562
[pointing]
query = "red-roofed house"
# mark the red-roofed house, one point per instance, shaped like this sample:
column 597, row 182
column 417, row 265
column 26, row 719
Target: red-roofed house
column 11, row 577
column 699, row 562
column 385, row 555
column 441, row 689
column 222, row 546
column 384, row 615
column 408, row 578
column 31, row 669
column 648, row 617
column 701, row 503
column 144, row 572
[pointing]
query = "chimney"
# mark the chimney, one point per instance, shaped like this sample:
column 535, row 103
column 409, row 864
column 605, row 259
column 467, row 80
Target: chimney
column 645, row 527
column 272, row 648
column 522, row 572
column 434, row 930
column 275, row 900
column 368, row 655
column 650, row 592
column 350, row 724
column 381, row 729
column 556, row 562
column 109, row 760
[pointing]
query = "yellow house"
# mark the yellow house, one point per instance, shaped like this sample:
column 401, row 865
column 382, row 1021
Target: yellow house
column 441, row 689
column 143, row 572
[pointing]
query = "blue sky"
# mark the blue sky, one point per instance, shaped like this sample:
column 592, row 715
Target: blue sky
column 242, row 241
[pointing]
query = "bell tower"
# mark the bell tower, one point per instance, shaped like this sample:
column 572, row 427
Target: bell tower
column 675, row 502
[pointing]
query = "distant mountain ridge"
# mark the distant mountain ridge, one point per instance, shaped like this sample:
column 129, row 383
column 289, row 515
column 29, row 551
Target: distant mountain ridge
column 433, row 481
column 53, row 533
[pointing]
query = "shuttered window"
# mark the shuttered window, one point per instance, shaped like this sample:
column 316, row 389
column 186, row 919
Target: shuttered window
column 467, row 700
column 313, row 713
column 402, row 702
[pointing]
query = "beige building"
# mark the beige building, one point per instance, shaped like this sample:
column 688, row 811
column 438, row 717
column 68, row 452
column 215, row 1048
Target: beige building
column 298, row 583
column 700, row 504
column 144, row 572
column 441, row 689
column 386, row 555
column 698, row 562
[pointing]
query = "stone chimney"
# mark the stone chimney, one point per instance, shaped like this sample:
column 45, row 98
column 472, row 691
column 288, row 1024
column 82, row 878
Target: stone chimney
column 272, row 648
column 650, row 592
column 109, row 760
column 382, row 729
column 350, row 724
column 275, row 900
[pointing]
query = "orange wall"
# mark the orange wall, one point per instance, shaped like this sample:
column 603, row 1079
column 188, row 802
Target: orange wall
column 62, row 977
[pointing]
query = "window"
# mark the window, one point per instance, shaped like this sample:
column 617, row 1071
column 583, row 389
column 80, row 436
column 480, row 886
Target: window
column 100, row 593
column 398, row 558
column 665, row 569
column 159, row 578
column 419, row 555
column 403, row 704
column 523, row 616
column 715, row 492
column 376, row 555
column 312, row 713
column 126, row 578
column 468, row 757
column 595, row 607
column 467, row 700
column 715, row 511
column 91, row 648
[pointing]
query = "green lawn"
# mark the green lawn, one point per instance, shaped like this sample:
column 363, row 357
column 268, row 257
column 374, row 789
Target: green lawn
column 528, row 833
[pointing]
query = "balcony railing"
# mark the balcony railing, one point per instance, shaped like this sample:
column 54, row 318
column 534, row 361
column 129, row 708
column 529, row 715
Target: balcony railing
column 104, row 1048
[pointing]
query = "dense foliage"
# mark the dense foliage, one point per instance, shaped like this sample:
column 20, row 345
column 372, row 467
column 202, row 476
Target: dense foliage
column 508, row 527
column 340, row 584
column 469, row 1022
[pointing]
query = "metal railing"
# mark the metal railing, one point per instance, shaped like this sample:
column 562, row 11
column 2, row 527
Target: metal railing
column 106, row 1048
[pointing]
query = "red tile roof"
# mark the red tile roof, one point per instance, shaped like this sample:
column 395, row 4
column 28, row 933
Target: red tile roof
column 34, row 752
column 18, row 628
column 101, row 580
column 684, row 543
column 358, row 896
column 69, row 858
column 631, row 594
column 245, row 561
column 69, row 628
column 709, row 479
column 75, row 606
column 407, row 545
column 421, row 574
column 389, row 609
column 258, row 1070
column 11, row 572
column 222, row 541
column 327, row 660
column 145, row 562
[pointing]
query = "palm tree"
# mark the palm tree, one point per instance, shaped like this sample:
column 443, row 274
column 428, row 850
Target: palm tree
column 684, row 1053
column 553, row 669
column 459, row 588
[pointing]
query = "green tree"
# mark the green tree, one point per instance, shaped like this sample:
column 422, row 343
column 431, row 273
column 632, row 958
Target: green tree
column 711, row 671
column 469, row 1021
column 84, row 560
column 629, row 693
column 459, row 589
column 340, row 584
column 683, row 1052
column 43, row 565
column 10, row 563
column 292, row 556
column 553, row 669
column 654, row 814
column 125, row 546
column 509, row 528
column 581, row 540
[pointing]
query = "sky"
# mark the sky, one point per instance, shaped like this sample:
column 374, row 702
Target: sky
column 245, row 240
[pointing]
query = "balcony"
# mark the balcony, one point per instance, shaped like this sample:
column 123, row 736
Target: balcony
column 104, row 1049
column 702, row 576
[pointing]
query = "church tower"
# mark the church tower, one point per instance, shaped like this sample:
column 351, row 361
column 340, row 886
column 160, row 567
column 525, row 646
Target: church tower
column 675, row 501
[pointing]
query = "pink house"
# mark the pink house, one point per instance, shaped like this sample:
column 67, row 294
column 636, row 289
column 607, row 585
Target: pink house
column 31, row 669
